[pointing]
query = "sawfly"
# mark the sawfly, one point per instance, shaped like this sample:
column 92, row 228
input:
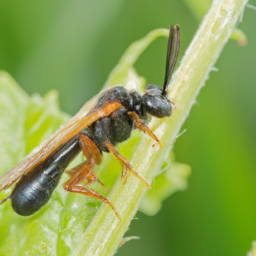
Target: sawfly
column 111, row 117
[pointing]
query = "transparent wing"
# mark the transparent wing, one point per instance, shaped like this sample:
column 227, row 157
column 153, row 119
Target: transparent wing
column 81, row 120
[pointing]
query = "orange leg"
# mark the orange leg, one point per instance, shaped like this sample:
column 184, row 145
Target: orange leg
column 144, row 128
column 84, row 172
column 87, row 144
column 89, row 192
column 125, row 162
column 90, row 149
column 93, row 156
column 90, row 178
column 75, row 169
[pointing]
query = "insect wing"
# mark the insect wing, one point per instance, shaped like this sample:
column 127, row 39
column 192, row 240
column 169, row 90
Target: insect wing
column 81, row 120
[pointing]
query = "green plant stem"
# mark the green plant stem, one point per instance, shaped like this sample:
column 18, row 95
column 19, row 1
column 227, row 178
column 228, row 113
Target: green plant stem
column 106, row 231
column 199, row 9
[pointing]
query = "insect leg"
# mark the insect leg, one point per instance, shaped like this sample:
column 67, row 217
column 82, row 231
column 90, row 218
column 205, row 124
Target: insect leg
column 90, row 177
column 87, row 144
column 75, row 169
column 84, row 172
column 90, row 151
column 92, row 193
column 144, row 128
column 124, row 161
column 71, row 186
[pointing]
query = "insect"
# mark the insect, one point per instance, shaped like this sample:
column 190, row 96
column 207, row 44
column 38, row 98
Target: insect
column 112, row 116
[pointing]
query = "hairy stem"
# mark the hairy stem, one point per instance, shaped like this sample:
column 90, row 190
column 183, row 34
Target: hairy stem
column 106, row 231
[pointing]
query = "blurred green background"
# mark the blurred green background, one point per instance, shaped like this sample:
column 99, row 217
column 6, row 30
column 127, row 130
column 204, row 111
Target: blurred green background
column 71, row 46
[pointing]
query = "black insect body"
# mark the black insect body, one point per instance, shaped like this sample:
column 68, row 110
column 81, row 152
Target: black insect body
column 111, row 120
column 34, row 189
column 116, row 127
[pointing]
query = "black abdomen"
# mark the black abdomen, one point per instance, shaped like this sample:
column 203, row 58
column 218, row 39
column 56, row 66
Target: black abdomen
column 35, row 187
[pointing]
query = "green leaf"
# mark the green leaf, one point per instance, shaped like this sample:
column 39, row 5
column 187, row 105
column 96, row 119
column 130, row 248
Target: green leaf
column 25, row 123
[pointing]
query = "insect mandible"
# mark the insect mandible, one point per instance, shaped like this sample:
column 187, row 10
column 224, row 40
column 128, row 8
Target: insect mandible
column 112, row 116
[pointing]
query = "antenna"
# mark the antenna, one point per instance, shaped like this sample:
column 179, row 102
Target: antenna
column 173, row 48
